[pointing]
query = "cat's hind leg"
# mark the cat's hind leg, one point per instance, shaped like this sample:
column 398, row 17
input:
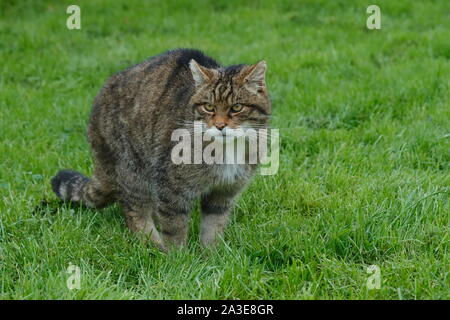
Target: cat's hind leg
column 140, row 221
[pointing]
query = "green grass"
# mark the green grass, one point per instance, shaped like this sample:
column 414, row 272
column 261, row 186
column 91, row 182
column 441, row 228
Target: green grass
column 364, row 119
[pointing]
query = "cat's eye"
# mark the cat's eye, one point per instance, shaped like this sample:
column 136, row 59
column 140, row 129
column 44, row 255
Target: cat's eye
column 208, row 108
column 237, row 108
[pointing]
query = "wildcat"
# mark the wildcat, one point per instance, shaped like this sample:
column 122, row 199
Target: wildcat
column 130, row 129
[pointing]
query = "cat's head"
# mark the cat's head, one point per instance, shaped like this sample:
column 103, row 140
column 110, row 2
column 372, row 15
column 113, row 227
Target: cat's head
column 230, row 98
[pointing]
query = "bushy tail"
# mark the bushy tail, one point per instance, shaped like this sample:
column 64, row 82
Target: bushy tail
column 68, row 185
column 72, row 186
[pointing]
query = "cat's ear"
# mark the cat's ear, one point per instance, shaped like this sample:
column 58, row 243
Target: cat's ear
column 201, row 75
column 254, row 77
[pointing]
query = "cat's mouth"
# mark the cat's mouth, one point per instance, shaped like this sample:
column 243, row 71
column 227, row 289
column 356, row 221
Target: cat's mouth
column 226, row 133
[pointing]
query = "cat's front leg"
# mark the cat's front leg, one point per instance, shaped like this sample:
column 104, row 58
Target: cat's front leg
column 174, row 225
column 216, row 207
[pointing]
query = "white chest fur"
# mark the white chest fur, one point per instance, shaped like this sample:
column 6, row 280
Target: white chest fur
column 229, row 173
column 230, row 170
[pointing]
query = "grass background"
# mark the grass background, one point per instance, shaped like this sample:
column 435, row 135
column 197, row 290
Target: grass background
column 364, row 119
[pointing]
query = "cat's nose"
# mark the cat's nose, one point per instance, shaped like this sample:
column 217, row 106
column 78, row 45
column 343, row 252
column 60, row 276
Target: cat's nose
column 220, row 125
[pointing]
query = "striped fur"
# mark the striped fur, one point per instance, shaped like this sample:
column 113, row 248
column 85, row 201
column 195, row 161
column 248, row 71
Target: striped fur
column 130, row 127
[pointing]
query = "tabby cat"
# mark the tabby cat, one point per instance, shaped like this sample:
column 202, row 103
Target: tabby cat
column 130, row 130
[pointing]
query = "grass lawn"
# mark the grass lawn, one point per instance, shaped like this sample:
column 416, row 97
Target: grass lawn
column 364, row 120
